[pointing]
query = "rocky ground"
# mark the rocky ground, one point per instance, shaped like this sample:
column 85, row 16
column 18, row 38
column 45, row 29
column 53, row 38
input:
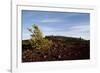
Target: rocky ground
column 62, row 49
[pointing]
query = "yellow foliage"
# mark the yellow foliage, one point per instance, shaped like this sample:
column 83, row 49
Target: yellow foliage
column 37, row 40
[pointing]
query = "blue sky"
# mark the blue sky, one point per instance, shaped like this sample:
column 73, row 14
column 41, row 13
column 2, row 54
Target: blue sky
column 69, row 24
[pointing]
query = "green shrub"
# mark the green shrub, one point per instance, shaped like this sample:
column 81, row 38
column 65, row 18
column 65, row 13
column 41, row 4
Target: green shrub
column 37, row 40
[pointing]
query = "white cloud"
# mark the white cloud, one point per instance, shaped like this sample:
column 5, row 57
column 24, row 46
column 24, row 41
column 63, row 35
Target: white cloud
column 51, row 20
column 47, row 29
column 80, row 28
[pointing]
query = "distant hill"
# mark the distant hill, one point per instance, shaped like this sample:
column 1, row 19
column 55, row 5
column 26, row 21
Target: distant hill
column 69, row 41
column 60, row 38
column 64, row 38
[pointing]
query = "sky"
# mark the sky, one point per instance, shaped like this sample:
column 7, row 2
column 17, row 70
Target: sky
column 69, row 24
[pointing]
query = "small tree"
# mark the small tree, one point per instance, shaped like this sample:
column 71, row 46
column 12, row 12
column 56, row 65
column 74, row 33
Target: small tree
column 37, row 40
